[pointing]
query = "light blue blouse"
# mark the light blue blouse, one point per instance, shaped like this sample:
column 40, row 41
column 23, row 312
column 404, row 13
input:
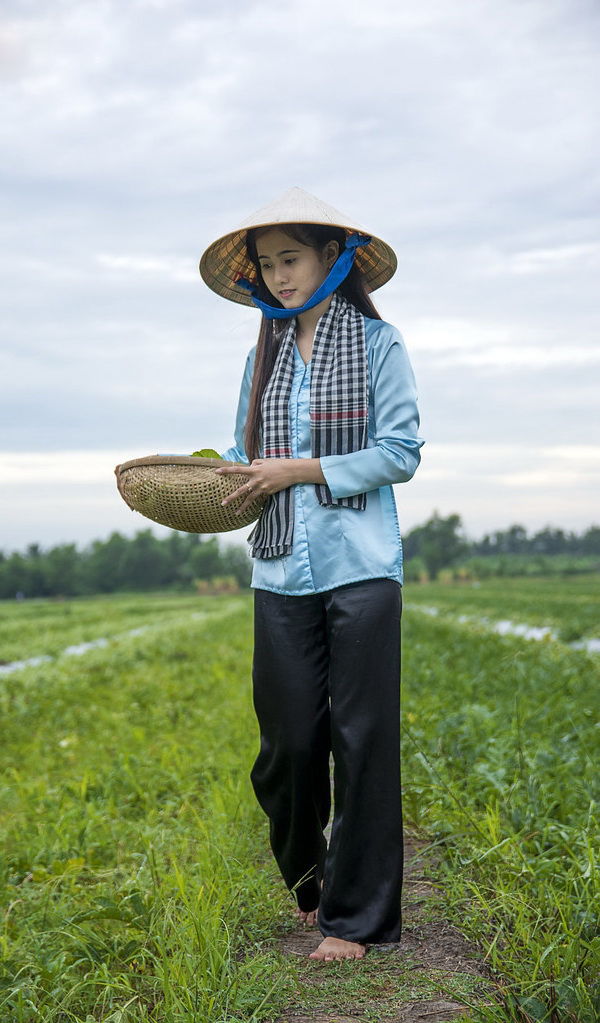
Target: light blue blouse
column 336, row 546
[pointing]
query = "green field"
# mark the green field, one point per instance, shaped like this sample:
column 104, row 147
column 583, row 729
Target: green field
column 569, row 605
column 34, row 628
column 136, row 881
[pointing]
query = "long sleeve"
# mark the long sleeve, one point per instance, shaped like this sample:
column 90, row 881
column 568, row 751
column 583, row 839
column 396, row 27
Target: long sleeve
column 237, row 453
column 393, row 453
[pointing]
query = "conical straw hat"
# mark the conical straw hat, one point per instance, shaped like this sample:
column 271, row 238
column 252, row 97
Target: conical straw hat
column 226, row 258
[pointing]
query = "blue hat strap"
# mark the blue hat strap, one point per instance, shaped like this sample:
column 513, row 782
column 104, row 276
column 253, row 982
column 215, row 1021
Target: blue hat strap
column 338, row 273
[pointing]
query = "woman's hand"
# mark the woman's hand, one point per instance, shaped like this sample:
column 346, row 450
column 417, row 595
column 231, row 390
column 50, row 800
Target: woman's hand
column 267, row 476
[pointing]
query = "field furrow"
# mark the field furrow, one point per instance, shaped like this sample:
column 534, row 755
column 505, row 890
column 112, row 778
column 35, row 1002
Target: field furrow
column 136, row 882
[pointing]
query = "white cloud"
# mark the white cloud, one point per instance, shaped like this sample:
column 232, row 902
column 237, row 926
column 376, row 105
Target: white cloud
column 586, row 454
column 547, row 478
column 455, row 342
column 513, row 357
column 136, row 133
column 554, row 259
column 494, row 485
column 171, row 269
column 36, row 469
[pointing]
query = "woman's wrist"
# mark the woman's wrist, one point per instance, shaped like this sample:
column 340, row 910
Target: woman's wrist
column 305, row 470
column 265, row 476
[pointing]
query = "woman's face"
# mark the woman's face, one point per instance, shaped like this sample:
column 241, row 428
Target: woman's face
column 291, row 270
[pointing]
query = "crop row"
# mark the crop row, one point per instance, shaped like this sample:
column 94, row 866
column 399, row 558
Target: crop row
column 136, row 877
column 569, row 606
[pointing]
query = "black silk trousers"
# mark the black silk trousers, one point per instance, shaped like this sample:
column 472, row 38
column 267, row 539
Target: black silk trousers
column 326, row 680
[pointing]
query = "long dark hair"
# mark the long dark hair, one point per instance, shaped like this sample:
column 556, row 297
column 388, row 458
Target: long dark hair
column 271, row 331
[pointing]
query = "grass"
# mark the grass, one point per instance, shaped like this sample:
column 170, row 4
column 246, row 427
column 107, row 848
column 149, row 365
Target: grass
column 569, row 605
column 374, row 990
column 136, row 884
column 133, row 840
column 502, row 745
column 33, row 628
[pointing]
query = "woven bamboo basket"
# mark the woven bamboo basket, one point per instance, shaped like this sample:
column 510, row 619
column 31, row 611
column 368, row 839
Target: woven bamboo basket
column 185, row 493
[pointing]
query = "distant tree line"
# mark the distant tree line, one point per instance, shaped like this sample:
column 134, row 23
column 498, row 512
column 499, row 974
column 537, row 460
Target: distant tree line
column 143, row 562
column 182, row 560
column 440, row 544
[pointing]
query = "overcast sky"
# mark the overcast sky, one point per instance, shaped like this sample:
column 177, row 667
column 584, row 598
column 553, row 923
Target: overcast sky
column 137, row 131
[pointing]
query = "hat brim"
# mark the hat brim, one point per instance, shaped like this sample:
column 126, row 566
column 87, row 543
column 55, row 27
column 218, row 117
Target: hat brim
column 227, row 258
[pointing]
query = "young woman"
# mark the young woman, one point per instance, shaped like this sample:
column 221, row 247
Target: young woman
column 327, row 421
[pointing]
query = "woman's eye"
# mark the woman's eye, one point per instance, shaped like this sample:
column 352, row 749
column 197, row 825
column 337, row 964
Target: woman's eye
column 291, row 259
column 265, row 266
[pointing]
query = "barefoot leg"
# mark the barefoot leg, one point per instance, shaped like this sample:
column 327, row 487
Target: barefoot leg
column 336, row 948
column 309, row 918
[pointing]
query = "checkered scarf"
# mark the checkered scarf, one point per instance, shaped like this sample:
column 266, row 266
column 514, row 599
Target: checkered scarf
column 338, row 415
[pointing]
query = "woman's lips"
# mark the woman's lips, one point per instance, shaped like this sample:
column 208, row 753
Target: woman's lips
column 287, row 293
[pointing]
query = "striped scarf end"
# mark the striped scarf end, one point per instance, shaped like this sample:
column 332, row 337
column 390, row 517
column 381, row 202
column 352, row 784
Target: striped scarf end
column 276, row 551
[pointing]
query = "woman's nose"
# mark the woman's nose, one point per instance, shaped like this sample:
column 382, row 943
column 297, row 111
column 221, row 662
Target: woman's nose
column 281, row 273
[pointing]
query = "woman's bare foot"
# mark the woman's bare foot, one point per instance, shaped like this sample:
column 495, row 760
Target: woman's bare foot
column 307, row 918
column 337, row 948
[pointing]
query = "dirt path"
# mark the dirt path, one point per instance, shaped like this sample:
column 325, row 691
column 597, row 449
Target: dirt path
column 431, row 975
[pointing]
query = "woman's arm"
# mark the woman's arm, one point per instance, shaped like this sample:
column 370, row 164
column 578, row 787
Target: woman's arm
column 396, row 454
column 269, row 475
column 237, row 453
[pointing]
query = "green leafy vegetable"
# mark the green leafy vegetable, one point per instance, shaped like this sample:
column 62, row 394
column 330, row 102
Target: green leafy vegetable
column 206, row 453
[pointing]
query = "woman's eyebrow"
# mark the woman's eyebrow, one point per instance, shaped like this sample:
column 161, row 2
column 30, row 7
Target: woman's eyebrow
column 284, row 252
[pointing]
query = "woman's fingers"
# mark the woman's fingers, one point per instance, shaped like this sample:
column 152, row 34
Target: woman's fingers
column 245, row 491
column 263, row 477
column 242, row 508
column 226, row 471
